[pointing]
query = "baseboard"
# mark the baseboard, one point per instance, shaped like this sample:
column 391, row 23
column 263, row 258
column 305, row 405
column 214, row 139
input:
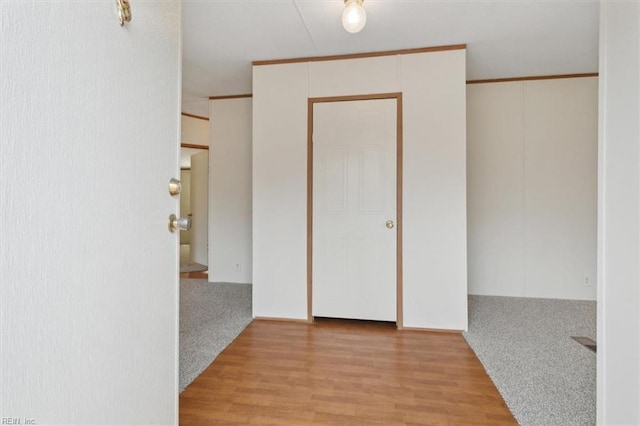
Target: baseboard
column 431, row 330
column 304, row 321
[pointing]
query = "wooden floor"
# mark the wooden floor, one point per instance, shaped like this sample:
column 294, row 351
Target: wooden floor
column 197, row 274
column 343, row 373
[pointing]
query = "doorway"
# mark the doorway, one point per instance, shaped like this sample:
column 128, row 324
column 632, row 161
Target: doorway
column 354, row 207
column 194, row 175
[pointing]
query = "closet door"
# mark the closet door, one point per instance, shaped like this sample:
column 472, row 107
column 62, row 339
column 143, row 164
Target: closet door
column 354, row 209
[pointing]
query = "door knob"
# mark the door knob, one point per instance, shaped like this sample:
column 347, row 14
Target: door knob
column 175, row 186
column 181, row 223
column 389, row 224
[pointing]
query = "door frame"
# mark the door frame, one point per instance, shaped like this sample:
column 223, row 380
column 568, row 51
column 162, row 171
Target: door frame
column 377, row 96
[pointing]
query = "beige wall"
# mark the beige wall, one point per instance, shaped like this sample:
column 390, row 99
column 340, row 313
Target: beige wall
column 434, row 249
column 230, row 191
column 532, row 188
column 195, row 131
column 200, row 208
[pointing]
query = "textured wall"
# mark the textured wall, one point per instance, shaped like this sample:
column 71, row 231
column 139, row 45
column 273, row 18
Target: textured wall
column 89, row 140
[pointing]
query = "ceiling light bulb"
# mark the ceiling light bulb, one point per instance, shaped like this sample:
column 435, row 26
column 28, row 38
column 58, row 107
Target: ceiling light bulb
column 354, row 16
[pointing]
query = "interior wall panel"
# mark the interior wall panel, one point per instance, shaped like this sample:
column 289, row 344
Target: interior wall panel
column 354, row 77
column 495, row 189
column 434, row 206
column 194, row 131
column 560, row 187
column 532, row 164
column 230, row 204
column 279, row 190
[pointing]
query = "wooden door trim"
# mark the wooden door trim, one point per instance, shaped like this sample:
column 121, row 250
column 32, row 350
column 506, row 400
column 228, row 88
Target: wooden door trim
column 361, row 55
column 399, row 168
column 193, row 145
column 533, row 77
column 199, row 117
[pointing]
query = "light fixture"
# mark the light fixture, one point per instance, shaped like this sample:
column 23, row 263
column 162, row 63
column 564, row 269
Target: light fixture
column 354, row 16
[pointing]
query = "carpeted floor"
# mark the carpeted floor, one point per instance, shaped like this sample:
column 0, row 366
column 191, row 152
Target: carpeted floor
column 186, row 265
column 545, row 377
column 211, row 316
column 192, row 267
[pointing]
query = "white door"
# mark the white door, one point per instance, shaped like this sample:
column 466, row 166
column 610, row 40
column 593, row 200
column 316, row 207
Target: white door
column 89, row 115
column 354, row 196
column 200, row 208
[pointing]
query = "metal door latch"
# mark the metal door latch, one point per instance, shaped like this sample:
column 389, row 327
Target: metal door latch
column 175, row 186
column 181, row 223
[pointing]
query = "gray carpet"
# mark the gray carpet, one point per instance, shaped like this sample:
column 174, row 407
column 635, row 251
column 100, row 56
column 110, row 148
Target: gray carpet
column 545, row 377
column 192, row 267
column 211, row 316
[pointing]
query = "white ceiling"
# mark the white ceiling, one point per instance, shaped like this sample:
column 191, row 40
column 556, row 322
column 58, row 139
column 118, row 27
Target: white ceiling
column 505, row 38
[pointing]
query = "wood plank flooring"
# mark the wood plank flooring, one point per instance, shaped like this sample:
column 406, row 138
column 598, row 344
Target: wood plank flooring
column 196, row 274
column 337, row 372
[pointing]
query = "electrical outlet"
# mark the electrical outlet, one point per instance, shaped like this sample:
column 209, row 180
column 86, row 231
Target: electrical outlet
column 237, row 267
column 586, row 280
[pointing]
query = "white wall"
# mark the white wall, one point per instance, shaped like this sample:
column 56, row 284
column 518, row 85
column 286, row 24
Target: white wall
column 88, row 268
column 435, row 190
column 434, row 219
column 532, row 163
column 619, row 215
column 495, row 189
column 230, row 191
column 279, row 191
column 195, row 130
